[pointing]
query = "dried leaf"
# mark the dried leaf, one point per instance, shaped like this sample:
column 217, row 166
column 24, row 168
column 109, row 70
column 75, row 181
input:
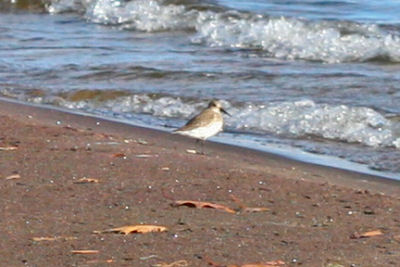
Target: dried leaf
column 250, row 209
column 366, row 234
column 180, row 263
column 119, row 155
column 70, row 128
column 371, row 233
column 244, row 208
column 267, row 264
column 14, row 176
column 8, row 148
column 54, row 238
column 85, row 180
column 86, row 251
column 132, row 229
column 200, row 205
column 100, row 261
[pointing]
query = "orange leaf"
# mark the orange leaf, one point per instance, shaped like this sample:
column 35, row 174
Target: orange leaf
column 132, row 229
column 12, row 177
column 54, row 238
column 100, row 261
column 371, row 233
column 86, row 251
column 180, row 263
column 119, row 155
column 366, row 234
column 200, row 205
column 85, row 180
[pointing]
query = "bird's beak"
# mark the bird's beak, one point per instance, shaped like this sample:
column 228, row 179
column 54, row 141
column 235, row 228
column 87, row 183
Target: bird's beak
column 224, row 111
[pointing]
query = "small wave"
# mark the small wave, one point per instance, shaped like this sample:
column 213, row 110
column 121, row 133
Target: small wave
column 285, row 38
column 300, row 119
column 305, row 118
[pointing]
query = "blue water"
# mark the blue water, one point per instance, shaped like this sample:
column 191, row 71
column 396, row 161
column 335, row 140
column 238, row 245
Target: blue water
column 374, row 11
column 320, row 77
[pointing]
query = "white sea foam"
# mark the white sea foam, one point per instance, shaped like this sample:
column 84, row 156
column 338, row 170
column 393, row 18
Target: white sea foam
column 287, row 38
column 306, row 118
column 300, row 119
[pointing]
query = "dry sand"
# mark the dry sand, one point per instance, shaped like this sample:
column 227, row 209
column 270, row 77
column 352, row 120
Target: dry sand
column 316, row 215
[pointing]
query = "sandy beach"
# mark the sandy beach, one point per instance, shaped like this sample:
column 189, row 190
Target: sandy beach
column 273, row 210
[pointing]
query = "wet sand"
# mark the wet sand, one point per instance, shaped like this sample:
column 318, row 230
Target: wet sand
column 316, row 215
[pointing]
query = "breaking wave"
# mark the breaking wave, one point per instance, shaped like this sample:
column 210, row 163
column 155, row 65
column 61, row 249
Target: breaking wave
column 277, row 37
column 300, row 119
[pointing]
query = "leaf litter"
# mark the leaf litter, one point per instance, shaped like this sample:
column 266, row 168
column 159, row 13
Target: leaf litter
column 134, row 229
column 179, row 263
column 245, row 208
column 366, row 234
column 201, row 204
column 54, row 238
column 86, row 180
column 84, row 251
column 13, row 177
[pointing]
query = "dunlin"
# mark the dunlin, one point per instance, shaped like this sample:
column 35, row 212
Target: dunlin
column 207, row 123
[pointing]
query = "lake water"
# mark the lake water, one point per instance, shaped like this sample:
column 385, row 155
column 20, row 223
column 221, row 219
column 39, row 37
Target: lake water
column 297, row 76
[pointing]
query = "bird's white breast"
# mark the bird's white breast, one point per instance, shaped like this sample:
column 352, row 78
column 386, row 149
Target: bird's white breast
column 205, row 131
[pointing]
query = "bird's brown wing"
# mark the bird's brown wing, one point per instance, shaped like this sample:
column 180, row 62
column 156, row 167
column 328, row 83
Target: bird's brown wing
column 203, row 119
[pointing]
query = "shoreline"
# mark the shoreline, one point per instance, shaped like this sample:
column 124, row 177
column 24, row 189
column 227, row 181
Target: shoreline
column 274, row 209
column 50, row 115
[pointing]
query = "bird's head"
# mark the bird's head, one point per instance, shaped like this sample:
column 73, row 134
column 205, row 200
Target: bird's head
column 216, row 104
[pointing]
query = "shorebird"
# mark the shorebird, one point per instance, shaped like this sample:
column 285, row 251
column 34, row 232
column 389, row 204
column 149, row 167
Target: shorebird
column 207, row 123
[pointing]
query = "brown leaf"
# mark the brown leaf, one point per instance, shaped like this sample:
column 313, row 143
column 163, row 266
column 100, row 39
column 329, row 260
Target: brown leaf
column 8, row 148
column 118, row 155
column 371, row 233
column 54, row 238
column 366, row 234
column 71, row 129
column 14, row 176
column 244, row 208
column 85, row 180
column 100, row 261
column 266, row 264
column 132, row 229
column 255, row 209
column 180, row 263
column 85, row 251
column 200, row 205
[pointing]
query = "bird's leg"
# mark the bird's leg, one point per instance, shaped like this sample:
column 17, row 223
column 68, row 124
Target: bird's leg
column 201, row 141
